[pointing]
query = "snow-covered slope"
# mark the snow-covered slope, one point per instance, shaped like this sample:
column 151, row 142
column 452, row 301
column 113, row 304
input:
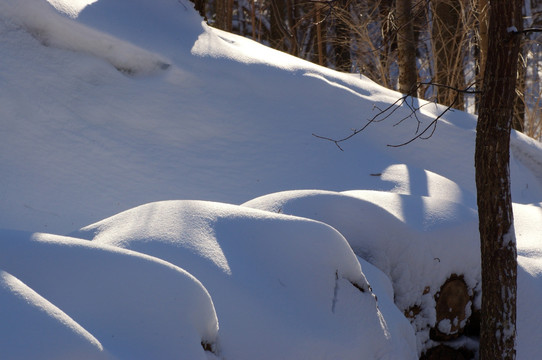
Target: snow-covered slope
column 227, row 120
column 111, row 104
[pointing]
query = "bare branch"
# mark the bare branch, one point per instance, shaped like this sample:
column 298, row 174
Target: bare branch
column 526, row 31
column 432, row 125
column 387, row 112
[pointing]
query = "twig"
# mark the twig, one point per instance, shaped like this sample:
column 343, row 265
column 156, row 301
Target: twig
column 526, row 31
column 387, row 112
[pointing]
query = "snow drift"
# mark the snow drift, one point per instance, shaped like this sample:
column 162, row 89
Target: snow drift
column 112, row 108
column 106, row 300
column 283, row 287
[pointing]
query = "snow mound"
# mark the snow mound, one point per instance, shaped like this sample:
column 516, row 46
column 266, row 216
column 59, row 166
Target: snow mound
column 31, row 325
column 101, row 300
column 53, row 29
column 417, row 241
column 283, row 287
column 409, row 180
column 71, row 8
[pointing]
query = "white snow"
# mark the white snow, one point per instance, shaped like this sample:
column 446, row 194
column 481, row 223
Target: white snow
column 284, row 286
column 111, row 110
column 418, row 242
column 132, row 305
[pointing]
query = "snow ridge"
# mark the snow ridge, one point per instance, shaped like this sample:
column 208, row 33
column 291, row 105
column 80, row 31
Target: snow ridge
column 53, row 29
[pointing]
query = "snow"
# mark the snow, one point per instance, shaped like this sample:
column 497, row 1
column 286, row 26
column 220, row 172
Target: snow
column 416, row 241
column 281, row 247
column 297, row 279
column 134, row 306
column 32, row 325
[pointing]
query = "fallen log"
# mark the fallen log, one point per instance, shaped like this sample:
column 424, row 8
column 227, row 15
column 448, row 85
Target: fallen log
column 453, row 309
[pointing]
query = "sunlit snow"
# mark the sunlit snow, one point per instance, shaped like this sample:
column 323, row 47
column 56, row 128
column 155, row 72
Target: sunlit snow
column 163, row 197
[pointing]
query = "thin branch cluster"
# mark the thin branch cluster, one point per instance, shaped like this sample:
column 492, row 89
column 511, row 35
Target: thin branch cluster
column 422, row 133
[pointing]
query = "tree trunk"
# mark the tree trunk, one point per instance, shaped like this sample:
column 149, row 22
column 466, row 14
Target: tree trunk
column 482, row 44
column 483, row 8
column 342, row 43
column 406, row 47
column 320, row 36
column 518, row 121
column 447, row 32
column 292, row 21
column 277, row 24
column 224, row 10
column 199, row 5
column 220, row 11
column 492, row 155
column 389, row 41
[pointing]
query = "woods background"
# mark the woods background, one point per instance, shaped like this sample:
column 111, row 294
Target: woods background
column 405, row 45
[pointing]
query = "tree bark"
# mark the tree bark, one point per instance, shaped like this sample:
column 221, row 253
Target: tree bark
column 406, row 47
column 342, row 43
column 292, row 21
column 199, row 5
column 277, row 24
column 518, row 121
column 447, row 32
column 483, row 8
column 224, row 10
column 492, row 155
column 320, row 36
column 482, row 45
column 220, row 11
column 389, row 41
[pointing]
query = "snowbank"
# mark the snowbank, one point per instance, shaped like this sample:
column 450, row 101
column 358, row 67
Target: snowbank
column 33, row 326
column 106, row 105
column 228, row 120
column 283, row 287
column 52, row 29
column 418, row 242
column 102, row 300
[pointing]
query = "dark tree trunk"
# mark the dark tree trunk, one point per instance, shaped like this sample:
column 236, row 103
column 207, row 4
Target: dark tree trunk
column 224, row 10
column 447, row 31
column 518, row 121
column 199, row 5
column 320, row 35
column 277, row 24
column 389, row 39
column 406, row 47
column 292, row 21
column 481, row 47
column 492, row 155
column 342, row 44
column 220, row 11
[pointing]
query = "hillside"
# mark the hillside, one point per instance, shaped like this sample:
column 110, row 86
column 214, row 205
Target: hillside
column 163, row 196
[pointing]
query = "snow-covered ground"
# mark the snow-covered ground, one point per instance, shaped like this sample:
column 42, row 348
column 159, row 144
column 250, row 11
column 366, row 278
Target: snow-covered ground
column 162, row 196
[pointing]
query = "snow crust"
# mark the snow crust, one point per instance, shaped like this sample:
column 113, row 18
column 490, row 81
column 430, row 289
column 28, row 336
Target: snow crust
column 107, row 105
